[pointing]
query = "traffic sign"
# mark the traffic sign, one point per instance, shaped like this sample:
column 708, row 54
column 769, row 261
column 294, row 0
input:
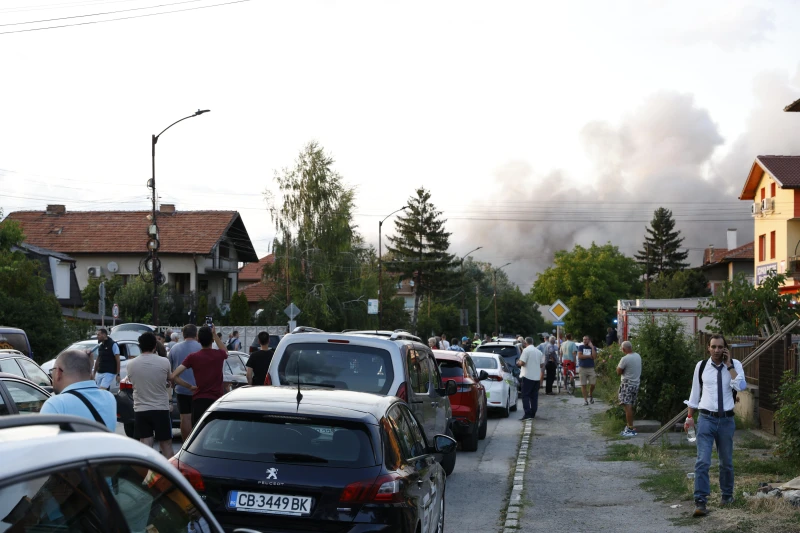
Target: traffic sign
column 372, row 306
column 292, row 311
column 115, row 311
column 558, row 323
column 559, row 310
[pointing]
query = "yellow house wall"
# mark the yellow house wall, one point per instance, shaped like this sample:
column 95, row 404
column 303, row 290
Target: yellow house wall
column 787, row 231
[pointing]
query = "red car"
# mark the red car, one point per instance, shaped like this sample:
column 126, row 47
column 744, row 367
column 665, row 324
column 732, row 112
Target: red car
column 469, row 403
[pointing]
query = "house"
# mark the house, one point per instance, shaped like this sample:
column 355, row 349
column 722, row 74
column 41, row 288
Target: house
column 722, row 264
column 199, row 250
column 252, row 283
column 773, row 187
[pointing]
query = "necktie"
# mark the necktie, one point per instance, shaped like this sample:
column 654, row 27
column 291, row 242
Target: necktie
column 720, row 405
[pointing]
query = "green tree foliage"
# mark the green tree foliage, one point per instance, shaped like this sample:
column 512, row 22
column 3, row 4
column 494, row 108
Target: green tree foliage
column 420, row 248
column 680, row 284
column 240, row 310
column 788, row 416
column 740, row 308
column 202, row 308
column 519, row 314
column 91, row 293
column 661, row 251
column 24, row 301
column 135, row 302
column 589, row 281
column 330, row 271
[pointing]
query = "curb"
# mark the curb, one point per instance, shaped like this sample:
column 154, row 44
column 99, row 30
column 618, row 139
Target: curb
column 511, row 521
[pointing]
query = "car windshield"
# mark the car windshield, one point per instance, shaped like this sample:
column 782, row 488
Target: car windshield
column 267, row 439
column 340, row 366
column 450, row 369
column 13, row 341
column 485, row 362
column 141, row 328
column 236, row 365
column 506, row 351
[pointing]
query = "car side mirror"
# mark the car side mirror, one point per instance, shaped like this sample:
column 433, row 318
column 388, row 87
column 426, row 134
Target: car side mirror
column 444, row 444
column 483, row 375
column 450, row 387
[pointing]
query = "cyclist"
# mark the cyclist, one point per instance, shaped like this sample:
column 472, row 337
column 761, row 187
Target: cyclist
column 568, row 349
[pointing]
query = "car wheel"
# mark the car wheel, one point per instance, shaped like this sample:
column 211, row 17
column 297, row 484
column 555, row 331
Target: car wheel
column 449, row 461
column 129, row 429
column 505, row 410
column 470, row 443
column 440, row 525
column 484, row 425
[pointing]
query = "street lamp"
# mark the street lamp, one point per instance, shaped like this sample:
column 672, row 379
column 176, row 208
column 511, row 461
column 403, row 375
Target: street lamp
column 494, row 276
column 380, row 265
column 153, row 244
column 463, row 289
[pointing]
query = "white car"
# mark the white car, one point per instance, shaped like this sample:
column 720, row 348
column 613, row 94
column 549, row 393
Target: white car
column 501, row 386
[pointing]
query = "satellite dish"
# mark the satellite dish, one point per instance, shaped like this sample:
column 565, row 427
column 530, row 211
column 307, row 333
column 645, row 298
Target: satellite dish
column 113, row 267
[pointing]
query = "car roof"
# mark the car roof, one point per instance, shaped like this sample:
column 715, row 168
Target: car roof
column 9, row 329
column 449, row 354
column 499, row 343
column 336, row 403
column 362, row 338
column 6, row 353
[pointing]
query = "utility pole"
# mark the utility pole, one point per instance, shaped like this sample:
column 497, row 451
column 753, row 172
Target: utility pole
column 494, row 285
column 286, row 253
column 647, row 273
column 477, row 311
column 380, row 266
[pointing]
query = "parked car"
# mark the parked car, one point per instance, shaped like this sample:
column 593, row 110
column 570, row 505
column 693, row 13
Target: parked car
column 273, row 342
column 20, row 396
column 501, row 384
column 399, row 365
column 333, row 460
column 65, row 473
column 234, row 375
column 15, row 339
column 128, row 343
column 130, row 327
column 469, row 407
column 509, row 351
column 19, row 364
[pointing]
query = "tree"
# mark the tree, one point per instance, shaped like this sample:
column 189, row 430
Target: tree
column 420, row 249
column 519, row 314
column 661, row 249
column 240, row 310
column 91, row 293
column 680, row 284
column 740, row 308
column 589, row 281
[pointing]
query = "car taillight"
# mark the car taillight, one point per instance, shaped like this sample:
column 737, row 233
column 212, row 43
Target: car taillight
column 493, row 377
column 268, row 379
column 192, row 475
column 125, row 385
column 384, row 489
column 402, row 392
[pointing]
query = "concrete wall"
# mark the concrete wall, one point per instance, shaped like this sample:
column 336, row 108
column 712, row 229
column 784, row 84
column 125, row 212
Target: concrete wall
column 747, row 405
column 786, row 234
column 129, row 265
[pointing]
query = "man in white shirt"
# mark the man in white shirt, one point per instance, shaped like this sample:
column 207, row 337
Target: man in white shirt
column 713, row 386
column 531, row 364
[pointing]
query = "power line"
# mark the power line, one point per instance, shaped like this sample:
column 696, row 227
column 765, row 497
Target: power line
column 100, row 14
column 125, row 18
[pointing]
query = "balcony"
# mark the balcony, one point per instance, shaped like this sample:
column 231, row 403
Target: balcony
column 793, row 266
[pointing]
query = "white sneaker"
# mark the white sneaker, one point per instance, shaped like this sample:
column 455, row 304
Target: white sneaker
column 628, row 432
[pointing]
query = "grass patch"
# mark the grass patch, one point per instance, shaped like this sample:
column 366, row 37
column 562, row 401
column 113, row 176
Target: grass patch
column 754, row 442
column 608, row 424
column 670, row 484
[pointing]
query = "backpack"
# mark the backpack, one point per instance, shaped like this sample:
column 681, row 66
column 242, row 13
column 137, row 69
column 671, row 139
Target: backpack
column 231, row 343
column 700, row 379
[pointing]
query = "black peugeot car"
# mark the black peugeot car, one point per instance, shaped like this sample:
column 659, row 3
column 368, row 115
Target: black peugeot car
column 334, row 460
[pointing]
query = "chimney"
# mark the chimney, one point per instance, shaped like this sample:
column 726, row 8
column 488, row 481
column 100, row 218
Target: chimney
column 55, row 209
column 709, row 255
column 167, row 208
column 731, row 238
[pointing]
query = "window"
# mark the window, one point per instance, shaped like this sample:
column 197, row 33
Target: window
column 224, row 250
column 772, row 190
column 473, row 373
column 130, row 350
column 450, row 369
column 420, row 385
column 485, row 362
column 339, row 366
column 35, row 373
column 226, row 289
column 236, row 366
column 28, row 399
column 762, row 243
column 149, row 502
column 763, row 193
column 14, row 341
column 3, row 407
column 408, row 437
column 772, row 245
column 9, row 365
column 63, row 501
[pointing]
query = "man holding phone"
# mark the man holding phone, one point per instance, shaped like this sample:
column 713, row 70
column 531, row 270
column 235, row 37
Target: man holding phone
column 715, row 380
column 586, row 354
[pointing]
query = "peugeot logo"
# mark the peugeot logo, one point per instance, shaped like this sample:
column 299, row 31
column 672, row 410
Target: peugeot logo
column 272, row 473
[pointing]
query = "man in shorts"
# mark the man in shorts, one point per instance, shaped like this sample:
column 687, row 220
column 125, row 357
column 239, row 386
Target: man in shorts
column 149, row 374
column 184, row 395
column 630, row 370
column 586, row 355
column 106, row 366
column 568, row 351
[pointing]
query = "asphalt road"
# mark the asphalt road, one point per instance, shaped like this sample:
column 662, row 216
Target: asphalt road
column 478, row 487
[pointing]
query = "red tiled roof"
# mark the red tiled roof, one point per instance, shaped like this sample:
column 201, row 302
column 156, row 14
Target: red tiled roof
column 723, row 255
column 784, row 168
column 259, row 291
column 794, row 106
column 181, row 232
column 252, row 271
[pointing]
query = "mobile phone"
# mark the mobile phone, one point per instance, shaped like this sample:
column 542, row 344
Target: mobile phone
column 209, row 320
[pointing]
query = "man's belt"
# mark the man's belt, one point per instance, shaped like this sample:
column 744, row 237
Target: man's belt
column 726, row 414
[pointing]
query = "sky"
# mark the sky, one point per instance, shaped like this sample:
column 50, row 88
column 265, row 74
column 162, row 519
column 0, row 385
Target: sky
column 535, row 125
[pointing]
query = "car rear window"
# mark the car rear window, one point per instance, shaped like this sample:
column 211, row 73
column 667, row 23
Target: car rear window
column 485, row 362
column 14, row 341
column 450, row 369
column 337, row 366
column 505, row 351
column 279, row 439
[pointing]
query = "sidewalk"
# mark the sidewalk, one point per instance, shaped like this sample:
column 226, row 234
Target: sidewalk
column 568, row 486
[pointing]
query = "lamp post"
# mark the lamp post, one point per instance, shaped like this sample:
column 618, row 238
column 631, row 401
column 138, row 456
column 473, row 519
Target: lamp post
column 494, row 282
column 153, row 244
column 463, row 289
column 380, row 265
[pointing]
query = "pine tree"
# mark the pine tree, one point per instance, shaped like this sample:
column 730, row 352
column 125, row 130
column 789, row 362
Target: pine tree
column 240, row 310
column 661, row 252
column 420, row 248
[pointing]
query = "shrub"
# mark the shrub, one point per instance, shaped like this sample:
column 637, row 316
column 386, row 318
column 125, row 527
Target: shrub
column 788, row 416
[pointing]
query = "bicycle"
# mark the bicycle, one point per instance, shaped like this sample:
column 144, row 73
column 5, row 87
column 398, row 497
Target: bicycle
column 565, row 380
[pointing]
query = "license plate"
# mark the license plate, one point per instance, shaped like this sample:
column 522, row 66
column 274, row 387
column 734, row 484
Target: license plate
column 256, row 502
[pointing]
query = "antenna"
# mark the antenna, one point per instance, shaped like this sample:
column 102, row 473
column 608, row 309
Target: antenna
column 299, row 394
